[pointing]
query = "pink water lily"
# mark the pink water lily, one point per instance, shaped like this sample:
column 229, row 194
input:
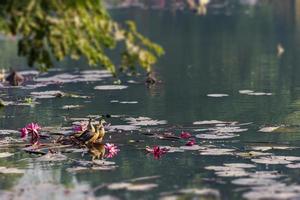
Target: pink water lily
column 33, row 127
column 80, row 128
column 24, row 132
column 185, row 135
column 157, row 151
column 191, row 142
column 112, row 150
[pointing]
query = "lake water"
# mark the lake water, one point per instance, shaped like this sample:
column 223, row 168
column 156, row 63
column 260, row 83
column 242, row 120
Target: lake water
column 224, row 52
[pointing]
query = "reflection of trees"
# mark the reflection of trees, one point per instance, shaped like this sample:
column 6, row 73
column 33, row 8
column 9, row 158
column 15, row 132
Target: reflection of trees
column 47, row 29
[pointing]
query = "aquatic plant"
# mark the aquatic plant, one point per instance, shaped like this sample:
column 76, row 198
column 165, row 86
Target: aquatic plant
column 112, row 150
column 33, row 130
column 185, row 135
column 191, row 142
column 157, row 151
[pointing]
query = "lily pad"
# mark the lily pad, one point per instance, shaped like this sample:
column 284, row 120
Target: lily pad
column 46, row 94
column 123, row 127
column 245, row 91
column 269, row 129
column 5, row 154
column 253, row 181
column 8, row 132
column 240, row 165
column 275, row 160
column 5, row 170
column 141, row 187
column 211, row 122
column 132, row 186
column 128, row 102
column 144, row 121
column 216, row 136
column 217, row 95
column 193, row 147
column 293, row 166
column 67, row 107
column 266, row 174
column 217, row 152
column 110, row 87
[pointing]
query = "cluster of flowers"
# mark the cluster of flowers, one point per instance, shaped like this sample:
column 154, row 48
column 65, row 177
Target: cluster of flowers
column 33, row 130
column 187, row 135
column 159, row 151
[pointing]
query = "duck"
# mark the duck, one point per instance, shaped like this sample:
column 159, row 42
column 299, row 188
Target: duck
column 100, row 130
column 92, row 134
column 89, row 134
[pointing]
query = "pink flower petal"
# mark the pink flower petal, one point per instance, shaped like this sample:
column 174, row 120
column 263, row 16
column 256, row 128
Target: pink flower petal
column 24, row 132
column 185, row 135
column 112, row 150
column 191, row 142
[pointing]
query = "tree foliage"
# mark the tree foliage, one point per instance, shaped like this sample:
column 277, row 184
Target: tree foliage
column 54, row 29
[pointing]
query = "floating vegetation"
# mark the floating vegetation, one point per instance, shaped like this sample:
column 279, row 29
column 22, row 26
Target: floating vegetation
column 67, row 107
column 123, row 127
column 144, row 121
column 47, row 94
column 217, row 95
column 251, row 92
column 269, row 129
column 8, row 132
column 212, row 122
column 217, row 152
column 157, row 151
column 253, row 181
column 5, row 154
column 216, row 136
column 276, row 160
column 5, row 170
column 110, row 87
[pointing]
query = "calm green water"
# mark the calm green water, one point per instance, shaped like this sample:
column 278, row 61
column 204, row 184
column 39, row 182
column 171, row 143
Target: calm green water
column 222, row 52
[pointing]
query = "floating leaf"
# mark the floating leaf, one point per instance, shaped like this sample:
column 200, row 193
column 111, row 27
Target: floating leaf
column 5, row 154
column 266, row 174
column 252, row 154
column 269, row 129
column 253, row 181
column 144, row 121
column 46, row 94
column 141, row 187
column 240, row 165
column 193, row 147
column 8, row 132
column 123, row 127
column 273, row 160
column 217, row 95
column 110, row 87
column 118, row 186
column 293, row 166
column 259, row 94
column 67, row 107
column 5, row 170
column 128, row 102
column 213, row 122
column 216, row 136
column 217, row 152
column 245, row 91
